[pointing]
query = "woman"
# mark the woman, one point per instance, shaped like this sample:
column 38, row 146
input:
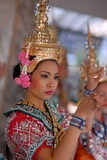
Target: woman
column 37, row 128
column 95, row 141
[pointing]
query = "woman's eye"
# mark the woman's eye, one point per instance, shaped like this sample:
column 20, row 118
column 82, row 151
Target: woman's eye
column 56, row 77
column 44, row 76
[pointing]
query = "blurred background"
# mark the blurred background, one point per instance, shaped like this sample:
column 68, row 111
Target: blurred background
column 70, row 21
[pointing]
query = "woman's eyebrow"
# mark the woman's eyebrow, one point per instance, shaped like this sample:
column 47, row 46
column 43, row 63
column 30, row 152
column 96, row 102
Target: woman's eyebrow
column 49, row 72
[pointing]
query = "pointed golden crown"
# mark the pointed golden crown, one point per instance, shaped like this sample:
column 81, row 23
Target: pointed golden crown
column 90, row 54
column 89, row 46
column 39, row 43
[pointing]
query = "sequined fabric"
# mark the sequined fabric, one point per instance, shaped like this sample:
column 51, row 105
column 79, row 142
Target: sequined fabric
column 28, row 130
column 93, row 142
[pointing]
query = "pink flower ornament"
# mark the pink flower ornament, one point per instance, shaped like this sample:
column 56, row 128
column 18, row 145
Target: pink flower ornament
column 25, row 62
column 22, row 58
column 23, row 80
column 26, row 84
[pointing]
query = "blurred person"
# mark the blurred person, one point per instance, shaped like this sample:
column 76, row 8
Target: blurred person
column 94, row 142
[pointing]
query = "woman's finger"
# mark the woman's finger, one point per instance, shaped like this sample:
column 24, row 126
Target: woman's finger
column 97, row 73
column 87, row 66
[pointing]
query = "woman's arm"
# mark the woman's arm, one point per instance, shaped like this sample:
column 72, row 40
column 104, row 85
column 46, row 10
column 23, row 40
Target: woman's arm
column 66, row 147
column 91, row 84
column 74, row 152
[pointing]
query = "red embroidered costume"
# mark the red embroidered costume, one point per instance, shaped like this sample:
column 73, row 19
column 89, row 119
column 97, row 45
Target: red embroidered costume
column 28, row 130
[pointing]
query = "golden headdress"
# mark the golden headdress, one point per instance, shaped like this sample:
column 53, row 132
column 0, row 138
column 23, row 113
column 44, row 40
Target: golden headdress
column 39, row 44
column 90, row 54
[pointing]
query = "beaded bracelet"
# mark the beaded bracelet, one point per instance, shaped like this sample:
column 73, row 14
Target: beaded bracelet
column 78, row 122
column 88, row 92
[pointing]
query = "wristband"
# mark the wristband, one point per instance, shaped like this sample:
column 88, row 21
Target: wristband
column 77, row 122
column 88, row 92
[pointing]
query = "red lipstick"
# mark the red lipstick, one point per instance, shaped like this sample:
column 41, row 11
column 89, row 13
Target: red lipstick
column 49, row 92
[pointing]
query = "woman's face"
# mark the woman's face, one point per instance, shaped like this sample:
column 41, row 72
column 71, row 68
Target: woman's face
column 44, row 80
column 102, row 91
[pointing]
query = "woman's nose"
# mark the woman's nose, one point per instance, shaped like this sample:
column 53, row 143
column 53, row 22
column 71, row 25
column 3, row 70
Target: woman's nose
column 51, row 83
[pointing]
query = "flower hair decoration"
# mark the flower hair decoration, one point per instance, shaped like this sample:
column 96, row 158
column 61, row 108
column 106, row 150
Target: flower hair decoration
column 24, row 78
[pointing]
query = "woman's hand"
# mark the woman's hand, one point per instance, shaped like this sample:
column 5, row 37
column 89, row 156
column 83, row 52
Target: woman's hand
column 93, row 76
column 87, row 106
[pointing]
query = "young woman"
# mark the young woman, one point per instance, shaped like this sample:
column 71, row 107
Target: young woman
column 37, row 128
column 95, row 141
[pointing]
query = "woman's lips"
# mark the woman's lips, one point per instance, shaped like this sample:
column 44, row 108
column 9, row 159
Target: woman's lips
column 49, row 92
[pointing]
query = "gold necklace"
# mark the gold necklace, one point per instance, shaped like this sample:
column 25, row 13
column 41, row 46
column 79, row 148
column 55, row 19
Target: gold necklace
column 57, row 130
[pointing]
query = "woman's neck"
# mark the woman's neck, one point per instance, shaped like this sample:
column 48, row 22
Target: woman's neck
column 38, row 103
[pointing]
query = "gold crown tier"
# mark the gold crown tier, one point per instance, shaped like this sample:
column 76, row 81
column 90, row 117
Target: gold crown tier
column 42, row 45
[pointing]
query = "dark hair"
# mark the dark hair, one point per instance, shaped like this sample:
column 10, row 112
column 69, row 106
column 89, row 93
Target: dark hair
column 16, row 69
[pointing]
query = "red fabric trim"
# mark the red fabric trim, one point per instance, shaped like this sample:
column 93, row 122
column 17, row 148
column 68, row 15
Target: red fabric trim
column 38, row 150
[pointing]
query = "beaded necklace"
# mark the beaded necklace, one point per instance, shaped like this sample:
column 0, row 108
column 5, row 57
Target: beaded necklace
column 57, row 130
